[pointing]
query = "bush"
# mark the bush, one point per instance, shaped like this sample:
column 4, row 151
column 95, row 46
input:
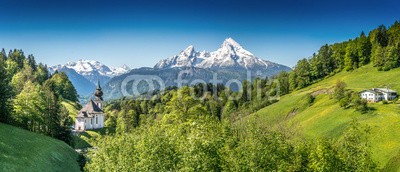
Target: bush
column 358, row 103
column 310, row 99
column 344, row 102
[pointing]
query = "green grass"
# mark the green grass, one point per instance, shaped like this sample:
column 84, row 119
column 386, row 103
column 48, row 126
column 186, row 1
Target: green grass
column 88, row 138
column 21, row 150
column 72, row 108
column 80, row 142
column 324, row 117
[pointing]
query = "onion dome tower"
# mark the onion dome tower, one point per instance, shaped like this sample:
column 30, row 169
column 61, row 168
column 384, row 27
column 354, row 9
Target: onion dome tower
column 99, row 96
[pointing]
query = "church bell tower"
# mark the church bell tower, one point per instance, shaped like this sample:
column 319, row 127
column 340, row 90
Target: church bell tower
column 99, row 96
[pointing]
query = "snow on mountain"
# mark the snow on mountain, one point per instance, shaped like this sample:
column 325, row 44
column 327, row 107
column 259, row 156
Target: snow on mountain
column 230, row 55
column 230, row 61
column 92, row 71
column 116, row 71
column 186, row 58
column 88, row 67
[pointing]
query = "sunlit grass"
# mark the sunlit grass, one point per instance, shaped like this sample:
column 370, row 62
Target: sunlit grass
column 22, row 150
column 324, row 118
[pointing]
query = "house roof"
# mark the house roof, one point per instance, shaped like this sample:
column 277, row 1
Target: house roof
column 386, row 90
column 372, row 91
column 89, row 109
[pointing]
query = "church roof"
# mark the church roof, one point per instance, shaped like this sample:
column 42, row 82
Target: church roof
column 89, row 109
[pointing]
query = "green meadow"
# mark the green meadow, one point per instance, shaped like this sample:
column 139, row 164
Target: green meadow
column 323, row 117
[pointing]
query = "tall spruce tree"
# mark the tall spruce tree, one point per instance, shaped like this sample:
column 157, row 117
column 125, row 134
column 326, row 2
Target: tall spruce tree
column 5, row 95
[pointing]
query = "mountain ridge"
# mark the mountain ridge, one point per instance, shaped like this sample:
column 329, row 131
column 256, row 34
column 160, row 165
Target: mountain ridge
column 230, row 61
column 230, row 55
column 85, row 74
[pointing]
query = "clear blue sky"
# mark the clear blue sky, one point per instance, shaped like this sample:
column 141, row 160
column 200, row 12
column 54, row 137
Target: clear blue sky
column 140, row 33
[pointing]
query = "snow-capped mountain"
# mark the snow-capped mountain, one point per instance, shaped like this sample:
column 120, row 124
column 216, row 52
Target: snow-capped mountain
column 230, row 61
column 92, row 71
column 186, row 58
column 89, row 67
column 230, row 55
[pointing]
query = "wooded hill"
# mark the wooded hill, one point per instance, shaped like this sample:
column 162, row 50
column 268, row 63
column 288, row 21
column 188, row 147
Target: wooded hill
column 31, row 98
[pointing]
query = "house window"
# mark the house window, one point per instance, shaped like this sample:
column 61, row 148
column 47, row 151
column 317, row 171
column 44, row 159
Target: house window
column 96, row 120
column 91, row 121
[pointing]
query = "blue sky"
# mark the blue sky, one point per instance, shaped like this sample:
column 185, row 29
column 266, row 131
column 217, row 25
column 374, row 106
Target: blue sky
column 140, row 33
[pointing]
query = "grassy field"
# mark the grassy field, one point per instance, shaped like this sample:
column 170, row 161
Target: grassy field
column 72, row 108
column 21, row 150
column 324, row 117
column 88, row 138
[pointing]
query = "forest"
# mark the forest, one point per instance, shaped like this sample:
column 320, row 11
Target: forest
column 30, row 97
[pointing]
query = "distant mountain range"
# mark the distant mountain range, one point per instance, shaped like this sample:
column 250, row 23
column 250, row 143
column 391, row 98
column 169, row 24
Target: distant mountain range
column 230, row 61
column 85, row 74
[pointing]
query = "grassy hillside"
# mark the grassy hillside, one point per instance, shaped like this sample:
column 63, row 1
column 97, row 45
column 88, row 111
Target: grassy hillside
column 72, row 108
column 324, row 118
column 21, row 150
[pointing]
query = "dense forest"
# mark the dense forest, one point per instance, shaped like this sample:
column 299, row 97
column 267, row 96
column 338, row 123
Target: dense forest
column 30, row 97
column 178, row 131
column 381, row 48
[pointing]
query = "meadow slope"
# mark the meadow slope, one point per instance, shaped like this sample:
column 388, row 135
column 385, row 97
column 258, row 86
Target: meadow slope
column 325, row 118
column 22, row 150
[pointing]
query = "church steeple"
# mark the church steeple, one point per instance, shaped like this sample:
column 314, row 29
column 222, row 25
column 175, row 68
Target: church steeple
column 98, row 85
column 98, row 92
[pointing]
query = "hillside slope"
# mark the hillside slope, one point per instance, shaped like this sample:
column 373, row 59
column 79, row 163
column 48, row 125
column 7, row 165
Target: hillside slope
column 21, row 150
column 325, row 118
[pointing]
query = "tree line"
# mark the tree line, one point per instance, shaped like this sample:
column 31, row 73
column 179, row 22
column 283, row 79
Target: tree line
column 220, row 102
column 30, row 97
column 381, row 47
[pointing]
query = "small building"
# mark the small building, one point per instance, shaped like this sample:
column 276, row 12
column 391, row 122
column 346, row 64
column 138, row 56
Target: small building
column 91, row 116
column 388, row 94
column 378, row 94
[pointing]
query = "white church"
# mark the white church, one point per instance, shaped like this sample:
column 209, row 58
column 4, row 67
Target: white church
column 91, row 116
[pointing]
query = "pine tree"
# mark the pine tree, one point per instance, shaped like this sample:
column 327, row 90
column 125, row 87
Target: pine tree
column 327, row 63
column 31, row 62
column 5, row 95
column 364, row 47
column 379, row 36
column 351, row 60
column 338, row 55
column 18, row 57
column 303, row 74
column 3, row 55
column 42, row 74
